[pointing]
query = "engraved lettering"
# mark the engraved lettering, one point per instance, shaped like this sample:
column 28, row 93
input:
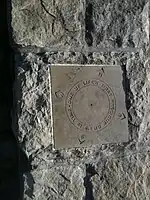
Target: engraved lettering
column 80, row 125
column 77, row 87
column 111, row 108
column 98, row 127
column 94, row 82
column 86, row 82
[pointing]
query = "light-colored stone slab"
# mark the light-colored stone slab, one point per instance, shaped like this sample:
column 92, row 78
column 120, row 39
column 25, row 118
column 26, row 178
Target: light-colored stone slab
column 88, row 105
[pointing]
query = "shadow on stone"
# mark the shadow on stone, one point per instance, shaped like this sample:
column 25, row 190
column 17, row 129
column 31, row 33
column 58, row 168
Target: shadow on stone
column 25, row 168
column 14, row 162
column 90, row 171
column 89, row 26
column 128, row 97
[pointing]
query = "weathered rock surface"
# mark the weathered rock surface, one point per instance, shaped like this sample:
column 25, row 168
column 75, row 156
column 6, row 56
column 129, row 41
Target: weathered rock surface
column 117, row 23
column 115, row 171
column 100, row 30
column 65, row 24
column 47, row 23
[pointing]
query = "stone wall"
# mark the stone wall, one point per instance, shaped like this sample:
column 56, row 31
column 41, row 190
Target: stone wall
column 86, row 32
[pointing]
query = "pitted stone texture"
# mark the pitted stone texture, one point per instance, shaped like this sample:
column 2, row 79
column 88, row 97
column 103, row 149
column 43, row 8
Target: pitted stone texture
column 34, row 107
column 118, row 171
column 47, row 22
column 73, row 23
column 117, row 24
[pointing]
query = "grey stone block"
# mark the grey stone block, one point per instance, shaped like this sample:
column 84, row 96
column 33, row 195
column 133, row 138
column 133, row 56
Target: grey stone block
column 47, row 23
column 117, row 24
column 71, row 24
column 112, row 171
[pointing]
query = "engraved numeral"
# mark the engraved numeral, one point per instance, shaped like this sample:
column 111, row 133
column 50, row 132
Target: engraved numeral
column 82, row 139
column 71, row 75
column 101, row 72
column 59, row 94
column 121, row 116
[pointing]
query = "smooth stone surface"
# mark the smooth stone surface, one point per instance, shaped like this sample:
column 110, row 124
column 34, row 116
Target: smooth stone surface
column 88, row 105
column 110, row 171
column 74, row 23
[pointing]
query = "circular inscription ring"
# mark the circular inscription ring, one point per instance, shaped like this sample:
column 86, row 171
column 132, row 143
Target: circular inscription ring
column 90, row 105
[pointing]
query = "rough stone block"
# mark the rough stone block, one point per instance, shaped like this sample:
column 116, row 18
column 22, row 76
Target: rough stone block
column 110, row 171
column 117, row 24
column 75, row 23
column 47, row 22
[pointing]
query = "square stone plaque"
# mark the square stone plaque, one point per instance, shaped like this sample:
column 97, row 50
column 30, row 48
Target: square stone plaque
column 88, row 105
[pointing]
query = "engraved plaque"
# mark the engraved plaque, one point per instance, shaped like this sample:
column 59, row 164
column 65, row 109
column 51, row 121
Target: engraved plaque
column 88, row 105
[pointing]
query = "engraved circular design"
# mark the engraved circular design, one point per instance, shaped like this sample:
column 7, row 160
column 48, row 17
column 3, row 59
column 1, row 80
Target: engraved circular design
column 90, row 105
